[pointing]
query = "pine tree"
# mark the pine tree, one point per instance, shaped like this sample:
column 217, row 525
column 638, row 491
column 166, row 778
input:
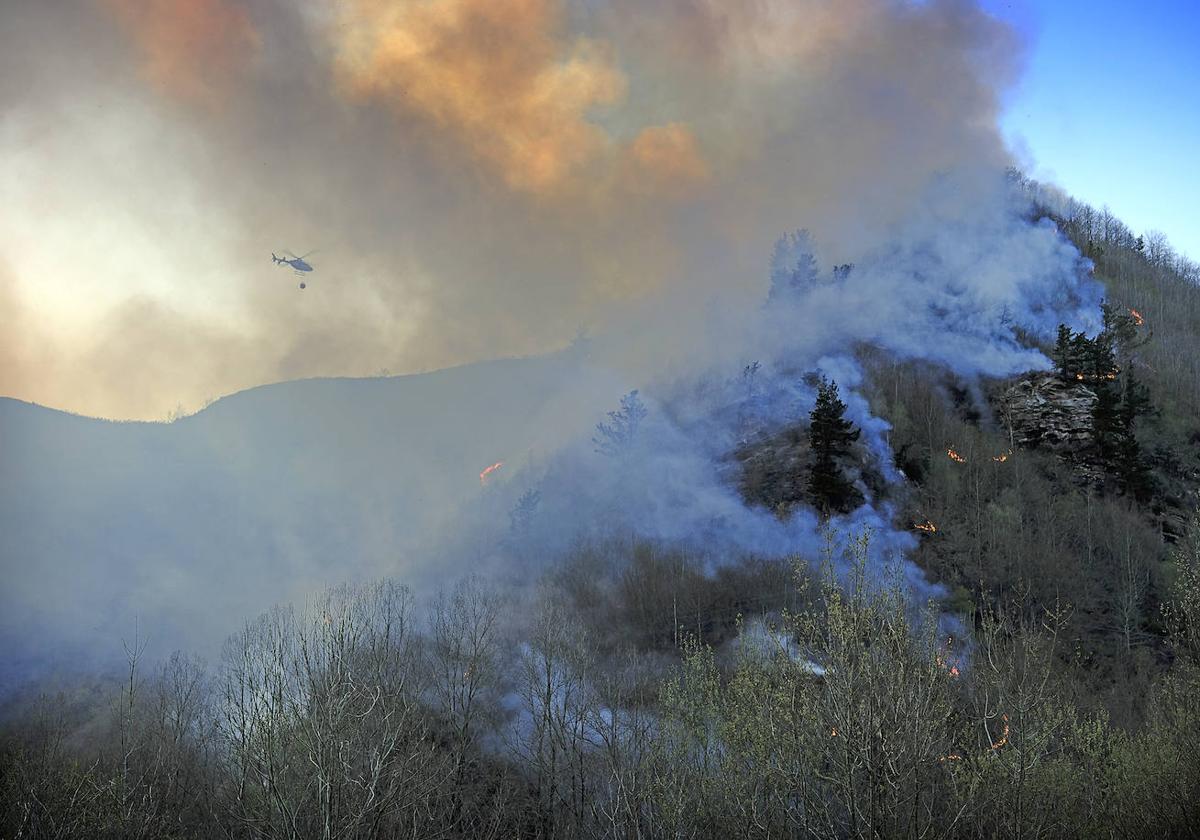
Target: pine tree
column 1120, row 328
column 793, row 266
column 1062, row 352
column 831, row 436
column 522, row 514
column 1132, row 470
column 617, row 435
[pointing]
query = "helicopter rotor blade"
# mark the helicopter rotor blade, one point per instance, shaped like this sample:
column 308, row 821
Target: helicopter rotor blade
column 302, row 256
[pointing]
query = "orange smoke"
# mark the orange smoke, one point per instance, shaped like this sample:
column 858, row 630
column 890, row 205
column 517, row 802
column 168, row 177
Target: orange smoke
column 191, row 49
column 952, row 453
column 511, row 87
column 664, row 158
column 500, row 75
column 483, row 476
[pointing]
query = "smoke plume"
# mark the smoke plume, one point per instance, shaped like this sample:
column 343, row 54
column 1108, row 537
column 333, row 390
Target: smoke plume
column 478, row 179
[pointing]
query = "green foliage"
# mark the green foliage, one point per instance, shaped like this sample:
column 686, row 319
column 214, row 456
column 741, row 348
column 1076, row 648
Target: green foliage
column 831, row 436
column 1017, row 530
column 860, row 719
column 1182, row 608
column 848, row 739
column 1121, row 398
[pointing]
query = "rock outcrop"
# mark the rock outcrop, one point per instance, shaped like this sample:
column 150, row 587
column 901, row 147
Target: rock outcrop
column 1045, row 412
column 774, row 469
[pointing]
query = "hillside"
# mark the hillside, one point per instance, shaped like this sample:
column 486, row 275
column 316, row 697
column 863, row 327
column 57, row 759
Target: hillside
column 915, row 546
column 282, row 488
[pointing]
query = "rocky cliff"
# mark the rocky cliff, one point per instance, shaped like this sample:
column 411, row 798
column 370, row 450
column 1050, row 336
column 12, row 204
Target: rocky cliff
column 1041, row 410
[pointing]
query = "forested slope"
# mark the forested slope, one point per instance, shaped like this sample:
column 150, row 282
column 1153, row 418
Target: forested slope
column 1014, row 650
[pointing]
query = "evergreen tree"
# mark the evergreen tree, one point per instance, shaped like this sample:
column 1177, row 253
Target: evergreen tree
column 831, row 436
column 793, row 266
column 521, row 516
column 1131, row 468
column 617, row 435
column 1120, row 398
column 1063, row 353
column 1120, row 328
column 1108, row 422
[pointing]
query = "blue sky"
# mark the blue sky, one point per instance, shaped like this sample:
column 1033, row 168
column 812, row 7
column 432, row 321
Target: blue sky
column 1109, row 107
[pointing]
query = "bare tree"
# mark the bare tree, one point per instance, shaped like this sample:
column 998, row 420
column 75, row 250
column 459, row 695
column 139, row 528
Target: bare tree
column 320, row 711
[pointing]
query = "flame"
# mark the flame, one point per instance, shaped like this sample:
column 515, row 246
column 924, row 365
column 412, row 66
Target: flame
column 954, row 456
column 1137, row 317
column 950, row 757
column 484, row 475
column 926, row 526
column 951, row 668
column 943, row 660
column 1003, row 735
column 1002, row 457
column 833, row 732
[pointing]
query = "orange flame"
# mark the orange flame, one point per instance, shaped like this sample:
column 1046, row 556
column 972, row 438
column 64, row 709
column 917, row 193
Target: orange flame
column 1003, row 735
column 1110, row 376
column 833, row 732
column 1002, row 457
column 1137, row 317
column 951, row 757
column 951, row 668
column 944, row 662
column 484, row 475
column 954, row 456
column 926, row 526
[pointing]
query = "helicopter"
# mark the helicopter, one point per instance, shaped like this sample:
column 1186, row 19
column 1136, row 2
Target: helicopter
column 297, row 263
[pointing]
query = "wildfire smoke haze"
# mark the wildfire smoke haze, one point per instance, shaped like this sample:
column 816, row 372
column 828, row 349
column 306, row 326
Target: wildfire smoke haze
column 497, row 179
column 744, row 291
column 483, row 178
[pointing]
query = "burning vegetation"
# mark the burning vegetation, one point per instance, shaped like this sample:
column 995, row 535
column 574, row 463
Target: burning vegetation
column 487, row 472
column 1002, row 741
